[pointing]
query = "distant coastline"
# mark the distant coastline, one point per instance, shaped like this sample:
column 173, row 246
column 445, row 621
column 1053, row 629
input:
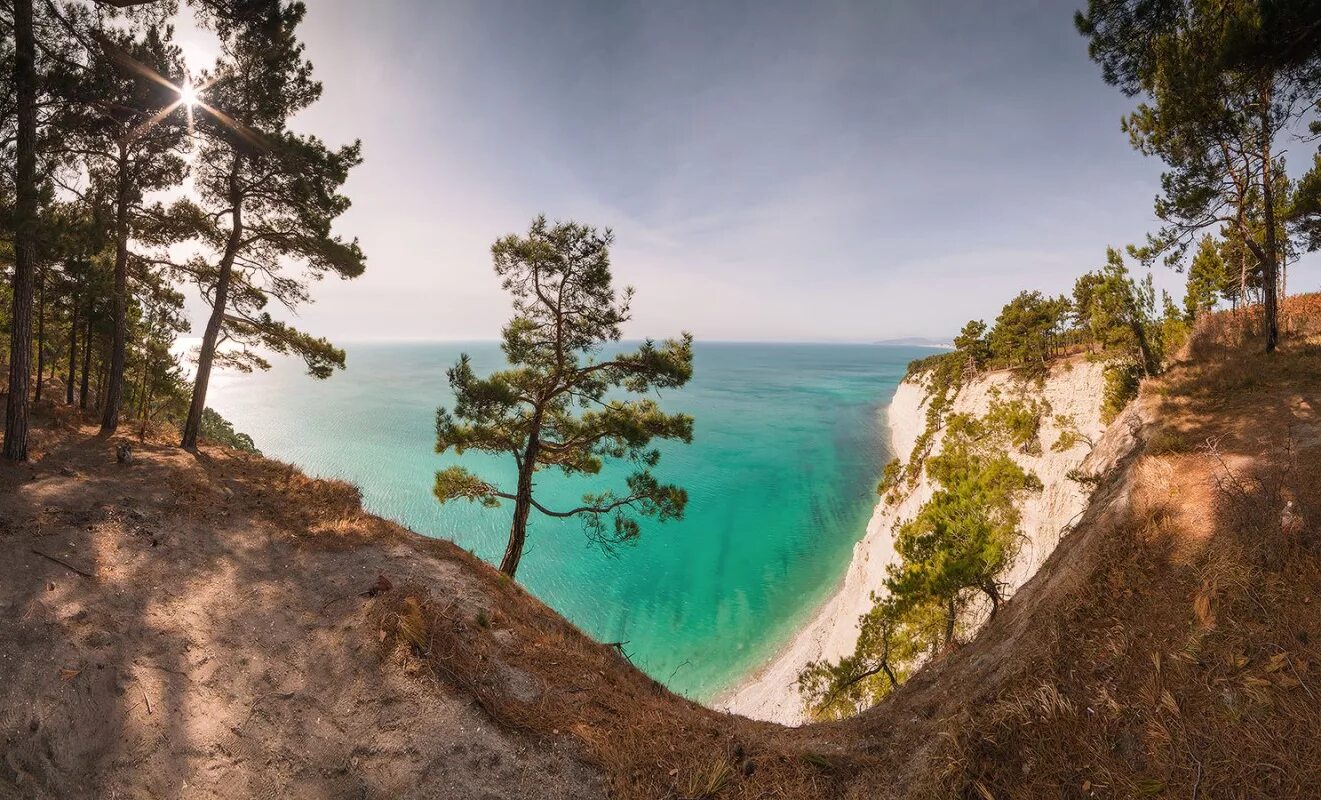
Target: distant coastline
column 917, row 341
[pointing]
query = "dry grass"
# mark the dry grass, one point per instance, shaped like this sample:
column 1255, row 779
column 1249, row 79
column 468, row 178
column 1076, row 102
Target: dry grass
column 536, row 674
column 1184, row 663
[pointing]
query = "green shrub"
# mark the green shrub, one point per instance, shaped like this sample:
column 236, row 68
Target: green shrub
column 890, row 476
column 218, row 430
column 1121, row 386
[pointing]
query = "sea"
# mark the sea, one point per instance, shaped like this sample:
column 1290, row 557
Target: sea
column 789, row 442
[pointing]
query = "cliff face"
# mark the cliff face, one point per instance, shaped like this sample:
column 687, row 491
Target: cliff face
column 1072, row 391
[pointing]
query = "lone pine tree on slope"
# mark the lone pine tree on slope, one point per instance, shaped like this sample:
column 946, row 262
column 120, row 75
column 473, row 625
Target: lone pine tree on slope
column 557, row 404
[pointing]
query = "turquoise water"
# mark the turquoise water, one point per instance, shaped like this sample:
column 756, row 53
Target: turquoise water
column 787, row 449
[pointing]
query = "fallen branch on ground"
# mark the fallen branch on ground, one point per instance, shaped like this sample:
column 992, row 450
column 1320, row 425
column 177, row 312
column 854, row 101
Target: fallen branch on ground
column 64, row 564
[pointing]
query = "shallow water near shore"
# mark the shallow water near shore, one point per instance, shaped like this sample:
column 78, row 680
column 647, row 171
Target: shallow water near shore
column 788, row 444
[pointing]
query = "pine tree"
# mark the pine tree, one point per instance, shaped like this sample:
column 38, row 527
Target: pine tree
column 1225, row 81
column 1208, row 279
column 1123, row 313
column 1024, row 332
column 130, row 133
column 277, row 190
column 25, row 230
column 967, row 534
column 972, row 345
column 558, row 405
column 958, row 545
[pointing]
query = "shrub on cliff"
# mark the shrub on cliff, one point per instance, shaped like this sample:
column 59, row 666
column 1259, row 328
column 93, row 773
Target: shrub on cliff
column 957, row 546
column 218, row 430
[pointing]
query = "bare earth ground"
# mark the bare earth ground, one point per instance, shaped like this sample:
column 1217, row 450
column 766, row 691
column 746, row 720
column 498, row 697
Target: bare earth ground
column 1170, row 647
column 220, row 652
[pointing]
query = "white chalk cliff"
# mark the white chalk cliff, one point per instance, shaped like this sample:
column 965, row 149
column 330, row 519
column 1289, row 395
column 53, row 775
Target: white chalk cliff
column 1073, row 390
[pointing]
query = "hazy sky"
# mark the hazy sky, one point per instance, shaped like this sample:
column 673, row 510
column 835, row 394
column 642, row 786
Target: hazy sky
column 775, row 171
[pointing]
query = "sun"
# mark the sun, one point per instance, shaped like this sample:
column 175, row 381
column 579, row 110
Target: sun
column 188, row 95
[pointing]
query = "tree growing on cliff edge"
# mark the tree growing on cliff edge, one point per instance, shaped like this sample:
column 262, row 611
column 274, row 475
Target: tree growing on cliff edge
column 1121, row 312
column 973, row 347
column 1224, row 81
column 1024, row 335
column 959, row 544
column 557, row 405
column 277, row 190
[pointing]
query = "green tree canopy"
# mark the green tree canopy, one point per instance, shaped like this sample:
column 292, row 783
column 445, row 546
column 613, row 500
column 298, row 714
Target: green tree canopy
column 129, row 133
column 558, row 404
column 1119, row 311
column 967, row 534
column 958, row 545
column 972, row 345
column 1208, row 279
column 1024, row 330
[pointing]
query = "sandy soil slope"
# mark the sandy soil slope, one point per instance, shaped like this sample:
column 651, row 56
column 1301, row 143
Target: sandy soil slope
column 213, row 649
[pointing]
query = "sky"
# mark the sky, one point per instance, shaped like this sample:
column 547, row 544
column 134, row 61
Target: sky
column 772, row 171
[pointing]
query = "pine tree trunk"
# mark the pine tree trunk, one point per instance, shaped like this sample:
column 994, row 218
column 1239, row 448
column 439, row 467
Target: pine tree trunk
column 517, row 532
column 87, row 361
column 102, row 371
column 1271, row 272
column 889, row 674
column 41, row 336
column 144, row 388
column 73, row 351
column 25, row 244
column 119, row 337
column 144, row 396
column 1243, row 279
column 522, row 500
column 206, row 355
column 993, row 592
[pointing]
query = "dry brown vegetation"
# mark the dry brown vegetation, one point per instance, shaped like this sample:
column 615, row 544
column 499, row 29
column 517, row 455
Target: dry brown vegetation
column 1169, row 647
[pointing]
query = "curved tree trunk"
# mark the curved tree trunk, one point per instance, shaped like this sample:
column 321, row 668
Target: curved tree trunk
column 522, row 501
column 206, row 355
column 114, row 392
column 25, row 217
column 993, row 592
